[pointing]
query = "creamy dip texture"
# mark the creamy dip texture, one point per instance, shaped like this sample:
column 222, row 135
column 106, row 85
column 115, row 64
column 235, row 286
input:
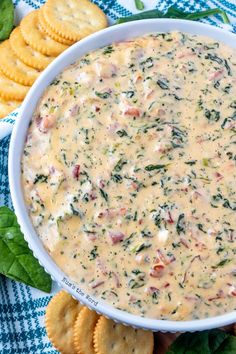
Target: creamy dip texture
column 129, row 174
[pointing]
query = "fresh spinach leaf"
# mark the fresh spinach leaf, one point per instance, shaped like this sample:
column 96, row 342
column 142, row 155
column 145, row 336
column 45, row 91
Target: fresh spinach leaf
column 139, row 5
column 208, row 342
column 17, row 261
column 174, row 12
column 6, row 18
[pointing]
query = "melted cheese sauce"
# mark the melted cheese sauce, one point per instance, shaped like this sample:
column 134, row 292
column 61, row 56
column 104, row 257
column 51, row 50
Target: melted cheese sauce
column 129, row 175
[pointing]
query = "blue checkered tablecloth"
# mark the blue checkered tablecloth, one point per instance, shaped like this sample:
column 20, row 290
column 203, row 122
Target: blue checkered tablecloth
column 21, row 307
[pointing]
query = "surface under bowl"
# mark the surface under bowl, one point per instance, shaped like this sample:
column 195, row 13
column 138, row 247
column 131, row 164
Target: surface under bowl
column 95, row 41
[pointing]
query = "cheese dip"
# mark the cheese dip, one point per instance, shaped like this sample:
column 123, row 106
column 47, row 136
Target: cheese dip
column 129, row 173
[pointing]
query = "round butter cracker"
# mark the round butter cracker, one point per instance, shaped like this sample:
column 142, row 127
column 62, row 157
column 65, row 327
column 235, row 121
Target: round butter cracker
column 7, row 107
column 50, row 32
column 37, row 38
column 61, row 314
column 83, row 331
column 73, row 19
column 11, row 90
column 26, row 54
column 13, row 67
column 115, row 338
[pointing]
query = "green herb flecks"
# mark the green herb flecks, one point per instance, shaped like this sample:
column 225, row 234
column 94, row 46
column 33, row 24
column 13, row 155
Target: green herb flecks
column 163, row 84
column 103, row 194
column 141, row 247
column 214, row 57
column 122, row 133
column 156, row 167
column 180, row 226
column 191, row 163
column 40, row 179
column 212, row 115
column 108, row 50
column 93, row 254
column 116, row 178
column 118, row 167
column 103, row 95
column 75, row 211
column 222, row 263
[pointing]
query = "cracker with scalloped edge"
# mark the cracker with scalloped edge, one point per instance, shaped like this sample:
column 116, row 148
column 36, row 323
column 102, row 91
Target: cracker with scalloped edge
column 83, row 331
column 13, row 68
column 37, row 38
column 26, row 54
column 11, row 90
column 111, row 337
column 74, row 19
column 7, row 106
column 50, row 32
column 61, row 314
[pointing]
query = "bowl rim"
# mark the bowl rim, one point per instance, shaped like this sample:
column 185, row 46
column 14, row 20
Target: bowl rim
column 120, row 32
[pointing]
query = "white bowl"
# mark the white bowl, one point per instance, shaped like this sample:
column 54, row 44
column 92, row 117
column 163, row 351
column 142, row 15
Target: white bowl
column 97, row 40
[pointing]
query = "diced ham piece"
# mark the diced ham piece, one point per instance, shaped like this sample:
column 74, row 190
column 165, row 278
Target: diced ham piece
column 96, row 283
column 112, row 128
column 101, row 266
column 134, row 185
column 105, row 70
column 52, row 170
column 170, row 219
column 165, row 285
column 164, row 259
column 232, row 290
column 76, row 171
column 219, row 295
column 200, row 194
column 92, row 195
column 117, row 280
column 74, row 110
column 151, row 290
column 218, row 176
column 184, row 242
column 157, row 271
column 137, row 77
column 91, row 236
column 185, row 54
column 132, row 111
column 111, row 213
column 216, row 75
column 191, row 298
column 45, row 123
column 85, row 77
column 101, row 183
column 116, row 236
column 149, row 93
column 132, row 298
column 161, row 112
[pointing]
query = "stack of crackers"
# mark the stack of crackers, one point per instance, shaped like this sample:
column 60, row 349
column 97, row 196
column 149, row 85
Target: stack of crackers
column 41, row 36
column 74, row 329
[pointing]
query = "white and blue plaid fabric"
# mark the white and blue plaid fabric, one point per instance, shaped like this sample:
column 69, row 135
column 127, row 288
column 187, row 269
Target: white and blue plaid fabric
column 22, row 308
